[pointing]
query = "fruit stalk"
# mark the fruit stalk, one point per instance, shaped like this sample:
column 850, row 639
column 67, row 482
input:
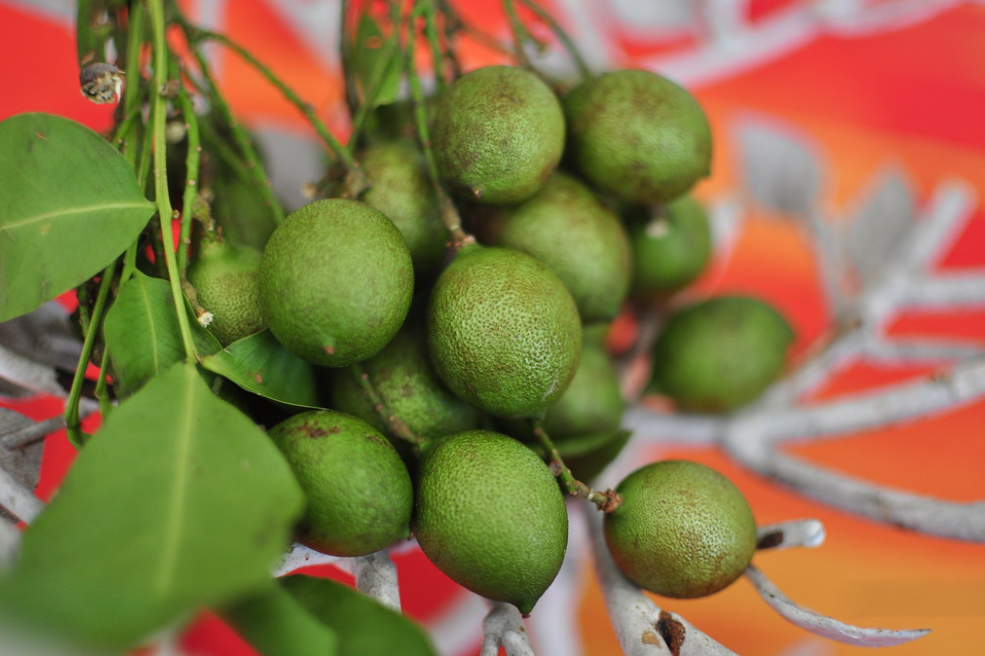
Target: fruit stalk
column 393, row 423
column 606, row 501
column 191, row 176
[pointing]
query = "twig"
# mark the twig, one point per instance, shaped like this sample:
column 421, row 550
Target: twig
column 18, row 500
column 797, row 533
column 503, row 627
column 376, row 577
column 606, row 501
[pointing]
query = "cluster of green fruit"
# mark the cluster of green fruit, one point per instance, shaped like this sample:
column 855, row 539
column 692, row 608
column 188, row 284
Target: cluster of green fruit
column 447, row 362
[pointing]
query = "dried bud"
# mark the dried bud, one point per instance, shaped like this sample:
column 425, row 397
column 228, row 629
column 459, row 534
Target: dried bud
column 101, row 82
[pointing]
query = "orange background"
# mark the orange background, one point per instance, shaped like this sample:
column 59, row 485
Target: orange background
column 914, row 96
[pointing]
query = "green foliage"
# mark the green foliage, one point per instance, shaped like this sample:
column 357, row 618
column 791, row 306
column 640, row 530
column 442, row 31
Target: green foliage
column 51, row 242
column 276, row 624
column 377, row 70
column 180, row 502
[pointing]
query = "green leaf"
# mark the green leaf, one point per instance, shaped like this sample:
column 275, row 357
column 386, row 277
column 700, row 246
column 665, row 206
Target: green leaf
column 178, row 502
column 376, row 63
column 362, row 625
column 142, row 333
column 259, row 364
column 277, row 625
column 70, row 206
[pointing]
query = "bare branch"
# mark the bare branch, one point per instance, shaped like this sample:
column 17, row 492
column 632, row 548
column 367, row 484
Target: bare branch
column 942, row 219
column 825, row 626
column 18, row 500
column 797, row 533
column 915, row 351
column 682, row 428
column 503, row 627
column 298, row 556
column 10, row 542
column 376, row 577
column 28, row 374
column 945, row 291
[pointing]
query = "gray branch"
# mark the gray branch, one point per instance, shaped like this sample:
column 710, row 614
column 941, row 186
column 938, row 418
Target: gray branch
column 503, row 627
column 796, row 533
column 825, row 626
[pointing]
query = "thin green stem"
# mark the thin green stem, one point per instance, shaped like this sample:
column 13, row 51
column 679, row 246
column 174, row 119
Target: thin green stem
column 345, row 50
column 72, row 422
column 191, row 175
column 520, row 36
column 357, row 181
column 164, row 211
column 395, row 426
column 136, row 26
column 449, row 214
column 562, row 36
column 606, row 501
column 102, row 389
column 391, row 49
column 437, row 57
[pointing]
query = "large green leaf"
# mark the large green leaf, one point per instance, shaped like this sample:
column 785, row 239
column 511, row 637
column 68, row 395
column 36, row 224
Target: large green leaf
column 277, row 625
column 178, row 502
column 259, row 364
column 142, row 333
column 361, row 625
column 70, row 205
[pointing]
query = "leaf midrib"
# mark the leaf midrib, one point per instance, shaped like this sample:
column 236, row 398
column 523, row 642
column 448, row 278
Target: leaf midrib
column 77, row 210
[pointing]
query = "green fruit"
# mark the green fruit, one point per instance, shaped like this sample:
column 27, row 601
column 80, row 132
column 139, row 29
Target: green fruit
column 498, row 134
column 226, row 284
column 503, row 332
column 336, row 282
column 683, row 530
column 593, row 401
column 489, row 514
column 671, row 249
column 402, row 190
column 719, row 354
column 241, row 212
column 637, row 136
column 565, row 226
column 359, row 493
column 403, row 377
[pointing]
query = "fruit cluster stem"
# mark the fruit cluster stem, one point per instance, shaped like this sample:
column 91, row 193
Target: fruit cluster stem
column 394, row 424
column 606, row 501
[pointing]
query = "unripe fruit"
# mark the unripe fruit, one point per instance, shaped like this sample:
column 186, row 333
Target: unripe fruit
column 719, row 354
column 336, row 282
column 489, row 514
column 683, row 530
column 637, row 136
column 503, row 332
column 409, row 387
column 402, row 191
column 670, row 249
column 359, row 493
column 592, row 403
column 226, row 284
column 498, row 134
column 566, row 227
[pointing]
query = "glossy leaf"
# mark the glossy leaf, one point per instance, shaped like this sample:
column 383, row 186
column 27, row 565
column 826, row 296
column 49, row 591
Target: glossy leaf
column 142, row 333
column 259, row 364
column 275, row 624
column 179, row 502
column 362, row 625
column 71, row 205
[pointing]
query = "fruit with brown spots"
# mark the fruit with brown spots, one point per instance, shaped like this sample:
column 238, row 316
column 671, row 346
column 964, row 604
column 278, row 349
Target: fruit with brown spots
column 683, row 530
column 358, row 490
column 226, row 284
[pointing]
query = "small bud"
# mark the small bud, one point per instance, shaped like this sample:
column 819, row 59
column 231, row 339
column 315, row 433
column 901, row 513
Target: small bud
column 101, row 82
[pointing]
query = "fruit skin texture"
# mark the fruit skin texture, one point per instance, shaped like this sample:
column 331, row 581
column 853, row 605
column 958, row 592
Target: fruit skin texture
column 498, row 134
column 503, row 332
column 592, row 403
column 719, row 354
column 489, row 514
column 671, row 249
column 683, row 530
column 402, row 191
column 359, row 493
column 336, row 282
column 565, row 226
column 226, row 284
column 409, row 387
column 637, row 136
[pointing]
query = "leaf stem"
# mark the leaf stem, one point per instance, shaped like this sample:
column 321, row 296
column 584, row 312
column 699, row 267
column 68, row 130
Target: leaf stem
column 165, row 213
column 92, row 330
column 437, row 58
column 449, row 214
column 606, row 501
column 394, row 424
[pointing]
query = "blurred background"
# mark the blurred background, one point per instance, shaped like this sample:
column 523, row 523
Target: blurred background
column 861, row 88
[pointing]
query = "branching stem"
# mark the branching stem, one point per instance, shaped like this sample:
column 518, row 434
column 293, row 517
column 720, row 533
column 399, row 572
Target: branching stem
column 606, row 501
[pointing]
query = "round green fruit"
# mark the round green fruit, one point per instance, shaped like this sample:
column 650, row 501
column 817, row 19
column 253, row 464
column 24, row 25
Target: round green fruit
column 671, row 248
column 592, row 403
column 402, row 191
column 566, row 227
column 336, row 282
column 503, row 331
column 683, row 530
column 489, row 514
column 637, row 136
column 719, row 354
column 359, row 493
column 498, row 134
column 226, row 284
column 407, row 384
